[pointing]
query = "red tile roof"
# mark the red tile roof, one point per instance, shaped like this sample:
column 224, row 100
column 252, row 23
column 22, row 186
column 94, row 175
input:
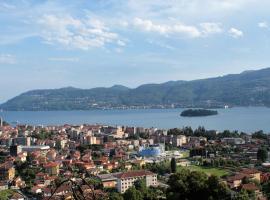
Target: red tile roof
column 51, row 164
column 130, row 174
column 250, row 187
column 250, row 171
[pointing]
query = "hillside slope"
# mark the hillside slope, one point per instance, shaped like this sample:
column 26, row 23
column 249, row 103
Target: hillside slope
column 250, row 88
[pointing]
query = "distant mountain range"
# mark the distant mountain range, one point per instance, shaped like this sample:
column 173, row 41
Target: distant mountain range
column 250, row 88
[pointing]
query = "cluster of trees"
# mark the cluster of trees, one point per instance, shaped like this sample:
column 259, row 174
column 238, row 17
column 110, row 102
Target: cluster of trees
column 220, row 162
column 27, row 173
column 6, row 194
column 185, row 184
column 139, row 192
column 43, row 134
column 93, row 147
column 262, row 154
column 213, row 135
column 202, row 132
column 260, row 135
column 160, row 168
column 193, row 185
column 198, row 112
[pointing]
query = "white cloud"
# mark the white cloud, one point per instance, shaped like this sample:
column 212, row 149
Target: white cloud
column 211, row 28
column 149, row 26
column 235, row 33
column 63, row 59
column 160, row 44
column 204, row 29
column 7, row 59
column 263, row 25
column 77, row 33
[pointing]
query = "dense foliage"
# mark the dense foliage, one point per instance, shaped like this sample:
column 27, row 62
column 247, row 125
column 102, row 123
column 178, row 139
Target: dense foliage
column 198, row 112
column 262, row 154
column 202, row 132
column 192, row 185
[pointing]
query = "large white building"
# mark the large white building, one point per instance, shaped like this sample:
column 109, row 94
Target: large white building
column 126, row 180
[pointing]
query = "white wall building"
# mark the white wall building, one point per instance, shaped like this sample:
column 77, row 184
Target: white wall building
column 126, row 180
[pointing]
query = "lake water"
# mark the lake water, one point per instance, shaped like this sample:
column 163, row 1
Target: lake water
column 247, row 119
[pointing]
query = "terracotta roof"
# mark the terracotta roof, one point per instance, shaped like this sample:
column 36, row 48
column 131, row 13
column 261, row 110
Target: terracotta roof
column 250, row 171
column 133, row 174
column 51, row 164
column 250, row 187
column 236, row 177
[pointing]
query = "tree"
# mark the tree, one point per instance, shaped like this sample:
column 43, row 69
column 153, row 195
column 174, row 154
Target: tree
column 262, row 154
column 133, row 194
column 6, row 194
column 192, row 185
column 115, row 196
column 173, row 165
column 266, row 189
column 242, row 195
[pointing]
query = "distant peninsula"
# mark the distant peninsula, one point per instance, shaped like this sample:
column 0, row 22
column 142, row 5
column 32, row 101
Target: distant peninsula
column 198, row 113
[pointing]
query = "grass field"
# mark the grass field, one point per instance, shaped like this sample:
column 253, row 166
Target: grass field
column 185, row 154
column 209, row 170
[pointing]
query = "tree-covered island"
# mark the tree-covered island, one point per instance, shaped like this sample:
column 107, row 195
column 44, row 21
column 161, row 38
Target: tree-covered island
column 198, row 113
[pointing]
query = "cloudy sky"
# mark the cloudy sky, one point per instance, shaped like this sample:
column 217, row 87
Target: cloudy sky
column 90, row 43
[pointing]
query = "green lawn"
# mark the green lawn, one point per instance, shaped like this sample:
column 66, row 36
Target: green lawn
column 5, row 194
column 185, row 154
column 209, row 170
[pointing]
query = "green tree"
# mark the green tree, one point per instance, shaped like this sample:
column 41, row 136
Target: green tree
column 242, row 195
column 133, row 194
column 262, row 154
column 192, row 185
column 115, row 196
column 173, row 165
column 6, row 194
column 216, row 189
column 266, row 189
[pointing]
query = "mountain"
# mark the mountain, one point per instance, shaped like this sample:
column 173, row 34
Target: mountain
column 250, row 88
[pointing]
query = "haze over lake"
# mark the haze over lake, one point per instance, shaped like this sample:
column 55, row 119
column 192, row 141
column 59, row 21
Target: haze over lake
column 247, row 119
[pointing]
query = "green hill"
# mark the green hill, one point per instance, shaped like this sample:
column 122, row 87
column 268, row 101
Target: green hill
column 250, row 88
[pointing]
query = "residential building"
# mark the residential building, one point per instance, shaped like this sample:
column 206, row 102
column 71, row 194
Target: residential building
column 126, row 180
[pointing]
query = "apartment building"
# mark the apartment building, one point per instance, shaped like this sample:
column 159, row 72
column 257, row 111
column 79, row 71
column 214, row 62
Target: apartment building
column 126, row 180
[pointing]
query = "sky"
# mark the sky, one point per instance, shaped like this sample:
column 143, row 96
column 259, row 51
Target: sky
column 93, row 43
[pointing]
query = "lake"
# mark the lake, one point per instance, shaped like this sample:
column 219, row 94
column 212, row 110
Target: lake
column 247, row 119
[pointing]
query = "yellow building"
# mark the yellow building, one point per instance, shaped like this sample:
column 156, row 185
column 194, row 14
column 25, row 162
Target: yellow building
column 7, row 172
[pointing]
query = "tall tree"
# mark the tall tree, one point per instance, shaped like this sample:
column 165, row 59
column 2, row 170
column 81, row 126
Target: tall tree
column 133, row 194
column 192, row 185
column 173, row 165
column 262, row 154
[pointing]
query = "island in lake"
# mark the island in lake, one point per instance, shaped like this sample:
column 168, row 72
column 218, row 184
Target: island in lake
column 198, row 113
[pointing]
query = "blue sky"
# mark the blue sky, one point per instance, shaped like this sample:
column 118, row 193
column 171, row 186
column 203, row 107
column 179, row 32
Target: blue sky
column 90, row 43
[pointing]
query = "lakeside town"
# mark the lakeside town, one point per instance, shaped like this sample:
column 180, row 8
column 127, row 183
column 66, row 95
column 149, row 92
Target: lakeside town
column 120, row 162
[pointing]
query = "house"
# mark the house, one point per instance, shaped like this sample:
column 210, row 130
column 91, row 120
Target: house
column 253, row 173
column 52, row 168
column 18, row 183
column 126, row 180
column 7, row 171
column 179, row 140
column 235, row 181
column 108, row 180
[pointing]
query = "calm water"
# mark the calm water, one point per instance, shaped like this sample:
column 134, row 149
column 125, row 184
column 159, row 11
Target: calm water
column 243, row 119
